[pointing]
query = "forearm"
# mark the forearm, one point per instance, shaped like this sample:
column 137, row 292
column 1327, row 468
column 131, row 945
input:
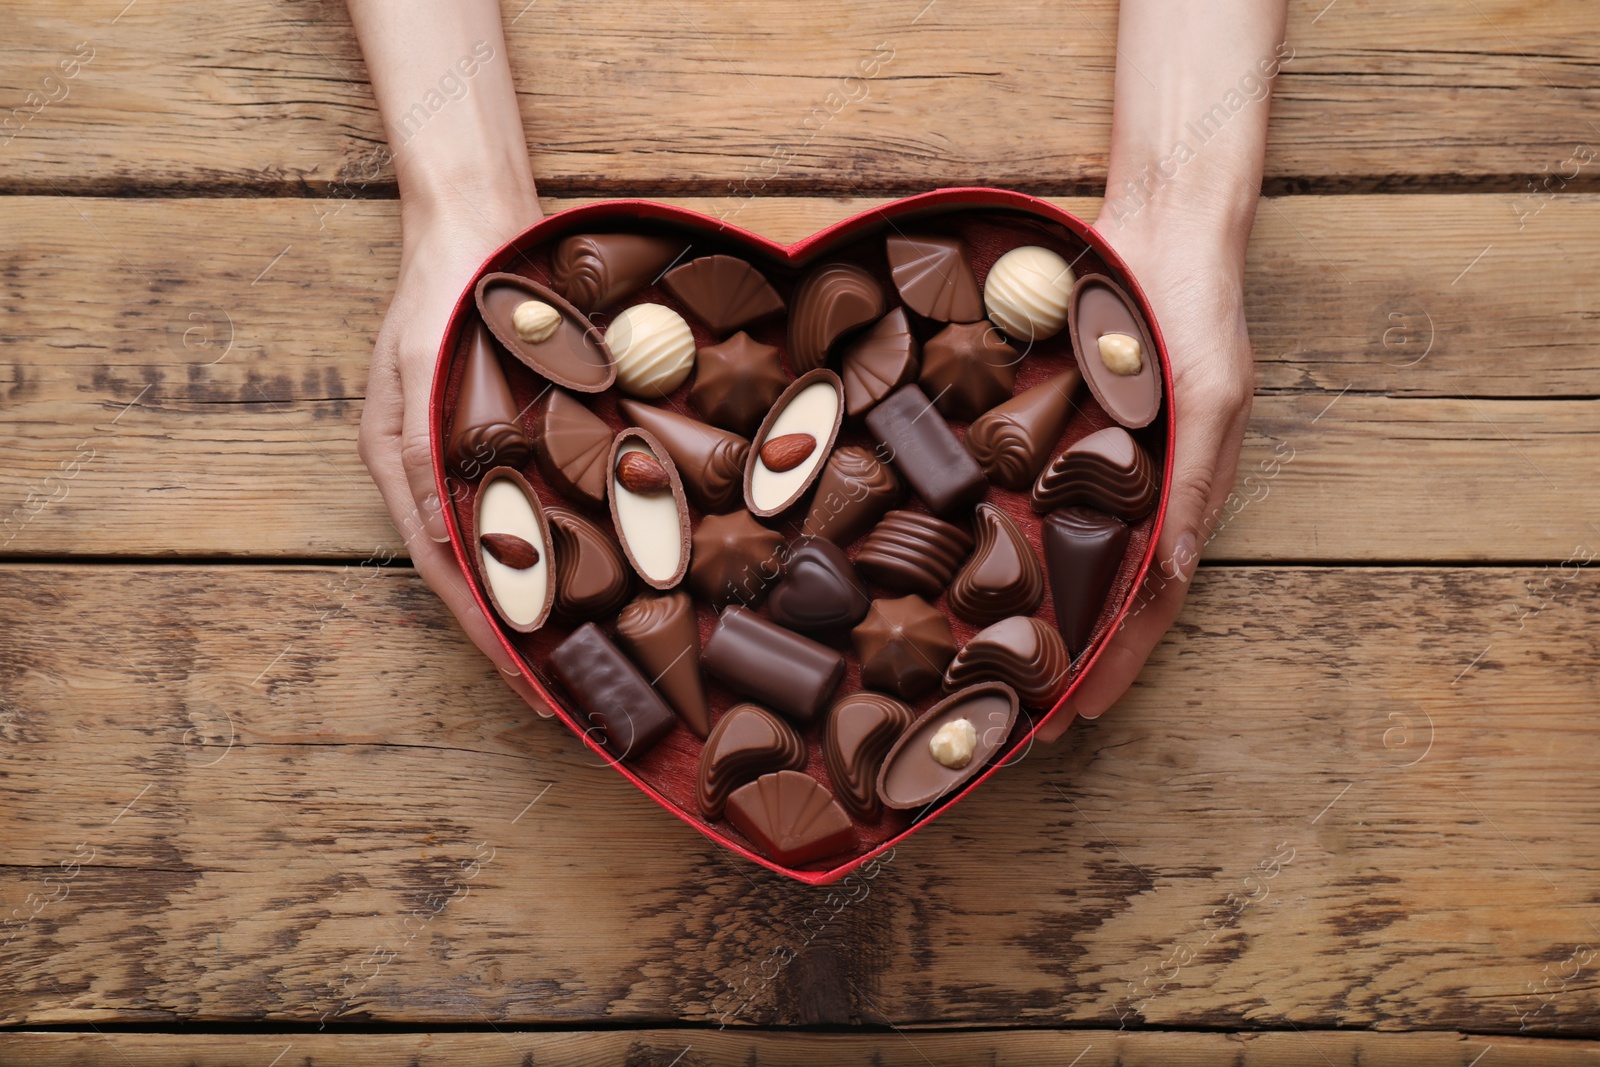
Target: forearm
column 1189, row 125
column 443, row 85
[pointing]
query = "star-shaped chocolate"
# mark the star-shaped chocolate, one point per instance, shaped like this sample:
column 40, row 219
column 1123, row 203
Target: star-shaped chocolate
column 736, row 383
column 904, row 646
column 735, row 560
column 968, row 369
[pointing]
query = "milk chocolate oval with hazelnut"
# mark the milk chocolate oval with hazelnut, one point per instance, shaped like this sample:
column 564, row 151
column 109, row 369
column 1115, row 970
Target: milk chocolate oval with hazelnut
column 652, row 526
column 912, row 778
column 575, row 355
column 813, row 406
column 509, row 523
column 1099, row 306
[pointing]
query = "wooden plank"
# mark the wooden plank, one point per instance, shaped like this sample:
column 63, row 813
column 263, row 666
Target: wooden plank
column 692, row 1048
column 703, row 94
column 1338, row 798
column 185, row 376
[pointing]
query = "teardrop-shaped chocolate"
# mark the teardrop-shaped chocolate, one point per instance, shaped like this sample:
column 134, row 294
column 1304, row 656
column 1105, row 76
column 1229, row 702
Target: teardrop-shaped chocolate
column 819, row 591
column 1002, row 576
column 1012, row 442
column 486, row 428
column 878, row 362
column 574, row 355
column 861, row 728
column 934, row 276
column 1024, row 652
column 595, row 270
column 833, row 300
column 1107, row 470
column 711, row 461
column 724, row 292
column 592, row 577
column 661, row 635
column 572, row 445
column 1084, row 550
column 749, row 741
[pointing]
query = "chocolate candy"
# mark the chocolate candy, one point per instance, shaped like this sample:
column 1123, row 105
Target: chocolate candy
column 1021, row 651
column 1028, row 291
column 860, row 730
column 737, row 382
column 760, row 659
column 1107, row 470
column 1084, row 549
column 878, row 362
column 749, row 741
column 573, row 447
column 1003, row 577
column 934, row 277
column 1099, row 308
column 913, row 553
column 968, row 368
column 853, row 492
column 630, row 716
column 813, row 406
column 593, row 578
column 653, row 348
column 820, row 591
column 651, row 519
column 904, row 646
column 724, row 292
column 924, row 450
column 735, row 559
column 912, row 778
column 710, row 461
column 791, row 817
column 514, row 556
column 661, row 635
column 596, row 270
column 486, row 428
column 1012, row 442
column 832, row 300
column 569, row 352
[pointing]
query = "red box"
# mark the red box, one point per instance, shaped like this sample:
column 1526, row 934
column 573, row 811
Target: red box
column 666, row 774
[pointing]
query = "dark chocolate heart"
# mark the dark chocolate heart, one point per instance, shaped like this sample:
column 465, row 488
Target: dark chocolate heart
column 821, row 591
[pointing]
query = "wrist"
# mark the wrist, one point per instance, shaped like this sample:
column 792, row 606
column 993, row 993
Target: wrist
column 498, row 197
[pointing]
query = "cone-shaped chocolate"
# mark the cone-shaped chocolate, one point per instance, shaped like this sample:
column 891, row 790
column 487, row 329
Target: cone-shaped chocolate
column 1083, row 549
column 595, row 270
column 1012, row 442
column 487, row 428
column 710, row 461
column 854, row 491
column 660, row 633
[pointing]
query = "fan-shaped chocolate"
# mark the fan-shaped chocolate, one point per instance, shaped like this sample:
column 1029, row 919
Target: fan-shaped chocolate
column 572, row 446
column 593, row 578
column 910, row 552
column 968, row 368
column 820, row 592
column 904, row 646
column 934, row 276
column 737, row 382
column 1002, row 577
column 791, row 817
column 1107, row 470
column 878, row 362
column 710, row 461
column 574, row 355
column 832, row 300
column 1024, row 652
column 749, row 741
column 1012, row 442
column 912, row 778
column 724, row 292
column 1084, row 550
column 486, row 428
column 735, row 560
column 853, row 491
column 661, row 635
column 521, row 595
column 860, row 730
column 652, row 527
column 595, row 270
column 1099, row 306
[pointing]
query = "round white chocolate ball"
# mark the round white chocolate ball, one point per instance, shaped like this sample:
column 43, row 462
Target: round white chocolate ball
column 1026, row 293
column 653, row 348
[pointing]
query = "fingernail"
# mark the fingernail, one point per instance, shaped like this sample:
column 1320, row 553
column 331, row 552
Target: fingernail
column 510, row 673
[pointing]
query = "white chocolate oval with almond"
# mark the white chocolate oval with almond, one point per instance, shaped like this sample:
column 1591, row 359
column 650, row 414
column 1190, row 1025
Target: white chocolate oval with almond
column 811, row 407
column 652, row 527
column 522, row 595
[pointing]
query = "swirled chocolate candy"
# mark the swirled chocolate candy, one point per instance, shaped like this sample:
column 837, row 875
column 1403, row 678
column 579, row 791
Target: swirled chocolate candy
column 1115, row 351
column 724, row 292
column 572, row 446
column 912, row 777
column 648, row 508
column 735, row 559
column 910, row 552
column 923, row 449
column 1012, row 442
column 806, row 419
column 486, row 429
column 749, row 741
column 1028, row 292
column 755, row 656
column 1084, row 550
column 710, row 461
column 853, row 492
column 1021, row 651
column 514, row 555
column 653, row 349
column 1002, row 577
column 860, row 729
column 595, row 270
column 661, row 635
column 791, row 817
column 934, row 276
column 878, row 362
column 568, row 350
column 593, row 578
column 819, row 592
column 968, row 368
column 832, row 300
column 630, row 716
column 737, row 382
column 904, row 646
column 1107, row 470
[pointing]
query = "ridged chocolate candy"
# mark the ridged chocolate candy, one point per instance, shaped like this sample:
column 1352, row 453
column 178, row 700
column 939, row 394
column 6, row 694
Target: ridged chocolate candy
column 724, row 292
column 820, row 592
column 968, row 369
column 904, row 646
column 737, row 382
column 749, row 741
column 853, row 492
column 592, row 577
column 878, row 362
column 791, row 817
column 913, row 553
column 934, row 276
column 596, row 270
column 1002, row 577
column 735, row 560
column 832, row 300
column 1084, row 550
column 486, row 429
column 861, row 728
column 1022, row 651
column 572, row 445
column 710, row 461
column 661, row 635
column 1107, row 470
column 1012, row 442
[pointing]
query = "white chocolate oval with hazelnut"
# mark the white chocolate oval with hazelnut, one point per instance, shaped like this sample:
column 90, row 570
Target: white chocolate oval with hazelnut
column 953, row 743
column 1027, row 291
column 653, row 348
column 1121, row 354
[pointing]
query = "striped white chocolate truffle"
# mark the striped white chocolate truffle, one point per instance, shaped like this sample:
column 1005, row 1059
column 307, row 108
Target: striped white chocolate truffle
column 1026, row 293
column 653, row 349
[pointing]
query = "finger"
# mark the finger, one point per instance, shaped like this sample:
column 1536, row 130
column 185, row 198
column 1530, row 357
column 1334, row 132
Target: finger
column 416, row 450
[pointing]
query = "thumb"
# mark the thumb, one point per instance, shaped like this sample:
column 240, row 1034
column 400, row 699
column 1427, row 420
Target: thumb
column 416, row 451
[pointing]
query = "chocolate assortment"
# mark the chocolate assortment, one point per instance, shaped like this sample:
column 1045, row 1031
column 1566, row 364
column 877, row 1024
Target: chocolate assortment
column 798, row 542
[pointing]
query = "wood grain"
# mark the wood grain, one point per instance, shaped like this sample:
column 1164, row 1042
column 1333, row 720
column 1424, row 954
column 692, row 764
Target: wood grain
column 701, row 95
column 1338, row 798
column 184, row 377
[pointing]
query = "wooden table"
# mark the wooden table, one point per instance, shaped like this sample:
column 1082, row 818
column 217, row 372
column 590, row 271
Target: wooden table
column 253, row 779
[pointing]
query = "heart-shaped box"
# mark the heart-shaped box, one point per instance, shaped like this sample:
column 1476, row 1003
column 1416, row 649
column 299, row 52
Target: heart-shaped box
column 991, row 221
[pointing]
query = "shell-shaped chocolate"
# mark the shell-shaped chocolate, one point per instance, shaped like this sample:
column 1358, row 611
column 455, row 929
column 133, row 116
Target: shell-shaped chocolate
column 595, row 270
column 1100, row 306
column 832, row 300
column 853, row 492
column 593, row 578
column 1024, row 652
column 521, row 586
column 1012, row 442
column 878, row 362
column 710, row 461
column 486, row 428
column 813, row 405
column 791, row 817
column 913, row 553
column 573, row 444
column 652, row 526
column 574, row 355
column 748, row 741
column 860, row 730
column 724, row 292
column 1107, row 470
column 934, row 276
column 1002, row 577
